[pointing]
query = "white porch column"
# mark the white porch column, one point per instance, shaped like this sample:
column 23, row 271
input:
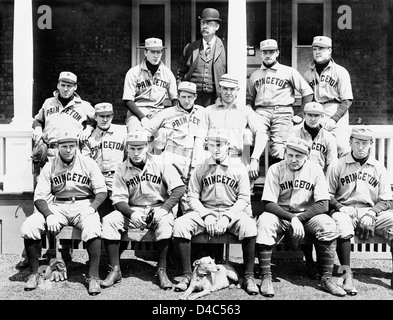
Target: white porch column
column 237, row 44
column 18, row 175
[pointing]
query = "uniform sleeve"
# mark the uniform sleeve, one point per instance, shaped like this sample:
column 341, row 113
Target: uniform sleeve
column 43, row 189
column 156, row 123
column 119, row 189
column 129, row 89
column 84, row 147
column 171, row 177
column 194, row 191
column 331, row 153
column 202, row 127
column 332, row 179
column 39, row 119
column 90, row 112
column 97, row 179
column 172, row 90
column 250, row 93
column 300, row 84
column 271, row 190
column 344, row 85
column 244, row 196
column 385, row 191
column 253, row 121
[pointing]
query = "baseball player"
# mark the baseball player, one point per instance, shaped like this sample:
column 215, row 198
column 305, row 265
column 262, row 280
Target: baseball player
column 65, row 110
column 296, row 200
column 236, row 119
column 78, row 187
column 147, row 85
column 219, row 197
column 361, row 198
column 323, row 143
column 185, row 133
column 141, row 188
column 332, row 88
column 271, row 93
column 204, row 61
column 106, row 145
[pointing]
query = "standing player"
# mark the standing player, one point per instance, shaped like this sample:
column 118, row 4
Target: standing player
column 147, row 85
column 271, row 93
column 219, row 195
column 296, row 200
column 106, row 146
column 235, row 119
column 65, row 110
column 79, row 189
column 142, row 184
column 185, row 132
column 332, row 88
column 204, row 60
column 361, row 198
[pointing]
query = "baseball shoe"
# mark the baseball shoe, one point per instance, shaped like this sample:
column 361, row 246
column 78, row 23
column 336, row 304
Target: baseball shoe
column 349, row 286
column 94, row 286
column 250, row 285
column 165, row 283
column 32, row 282
column 266, row 288
column 183, row 283
column 328, row 285
column 113, row 277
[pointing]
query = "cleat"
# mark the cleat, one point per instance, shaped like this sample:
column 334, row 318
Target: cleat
column 165, row 283
column 266, row 288
column 250, row 285
column 183, row 283
column 328, row 285
column 113, row 277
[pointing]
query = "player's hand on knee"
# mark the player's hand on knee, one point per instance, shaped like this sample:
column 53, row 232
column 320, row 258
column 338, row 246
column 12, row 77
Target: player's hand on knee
column 222, row 225
column 253, row 171
column 365, row 227
column 351, row 211
column 158, row 214
column 52, row 223
column 210, row 224
column 297, row 228
column 138, row 219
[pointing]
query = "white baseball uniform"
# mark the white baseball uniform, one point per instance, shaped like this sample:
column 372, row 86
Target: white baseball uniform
column 147, row 91
column 361, row 187
column 149, row 187
column 323, row 147
column 74, row 187
column 330, row 89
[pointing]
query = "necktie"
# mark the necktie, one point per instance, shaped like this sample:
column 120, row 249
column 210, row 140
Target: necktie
column 208, row 50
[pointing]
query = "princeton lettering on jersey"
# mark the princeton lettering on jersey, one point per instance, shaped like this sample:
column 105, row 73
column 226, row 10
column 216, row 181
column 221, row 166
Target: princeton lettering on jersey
column 184, row 120
column 112, row 145
column 54, row 109
column 73, row 114
column 297, row 184
column 270, row 80
column 220, row 179
column 332, row 82
column 319, row 147
column 69, row 176
column 142, row 85
column 145, row 176
column 363, row 176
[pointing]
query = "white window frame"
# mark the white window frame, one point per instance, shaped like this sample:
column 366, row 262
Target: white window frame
column 327, row 24
column 135, row 31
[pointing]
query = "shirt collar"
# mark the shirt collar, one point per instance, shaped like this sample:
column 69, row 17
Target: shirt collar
column 349, row 159
column 313, row 66
column 212, row 42
column 274, row 67
column 213, row 162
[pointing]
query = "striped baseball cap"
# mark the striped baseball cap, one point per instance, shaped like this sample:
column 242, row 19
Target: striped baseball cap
column 187, row 86
column 103, row 108
column 229, row 81
column 299, row 145
column 362, row 133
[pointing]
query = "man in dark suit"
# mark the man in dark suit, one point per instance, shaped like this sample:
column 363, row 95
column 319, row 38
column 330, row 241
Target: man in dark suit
column 204, row 60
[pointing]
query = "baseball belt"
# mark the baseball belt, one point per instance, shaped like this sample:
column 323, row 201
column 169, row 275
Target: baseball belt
column 178, row 150
column 108, row 173
column 72, row 198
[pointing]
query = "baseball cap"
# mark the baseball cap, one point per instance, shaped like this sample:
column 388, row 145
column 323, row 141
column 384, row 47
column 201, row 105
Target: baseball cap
column 314, row 108
column 67, row 77
column 217, row 135
column 229, row 81
column 298, row 144
column 103, row 108
column 322, row 41
column 64, row 136
column 152, row 44
column 137, row 137
column 268, row 44
column 210, row 14
column 187, row 86
column 362, row 133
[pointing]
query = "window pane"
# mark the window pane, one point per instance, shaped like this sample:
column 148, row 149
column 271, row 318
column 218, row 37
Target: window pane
column 256, row 23
column 151, row 22
column 310, row 22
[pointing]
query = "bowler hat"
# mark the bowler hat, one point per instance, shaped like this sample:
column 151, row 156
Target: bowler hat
column 210, row 14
